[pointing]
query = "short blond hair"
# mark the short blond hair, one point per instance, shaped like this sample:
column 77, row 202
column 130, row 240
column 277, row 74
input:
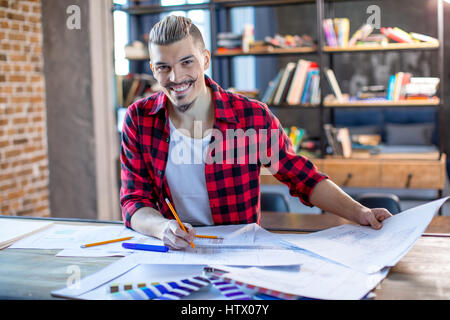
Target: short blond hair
column 175, row 28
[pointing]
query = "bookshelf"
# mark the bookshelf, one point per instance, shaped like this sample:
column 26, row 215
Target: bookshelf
column 324, row 55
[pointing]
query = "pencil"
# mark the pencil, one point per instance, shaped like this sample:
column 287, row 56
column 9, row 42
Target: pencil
column 206, row 237
column 105, row 242
column 178, row 219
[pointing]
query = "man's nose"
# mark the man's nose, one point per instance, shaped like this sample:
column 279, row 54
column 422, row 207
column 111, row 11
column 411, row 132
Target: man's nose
column 175, row 74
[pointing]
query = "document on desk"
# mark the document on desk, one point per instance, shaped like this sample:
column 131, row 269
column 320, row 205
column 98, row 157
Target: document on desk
column 244, row 236
column 71, row 237
column 368, row 250
column 242, row 245
column 314, row 278
column 12, row 230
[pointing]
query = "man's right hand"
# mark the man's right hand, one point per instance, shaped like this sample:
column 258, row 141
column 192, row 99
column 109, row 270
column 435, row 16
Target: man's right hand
column 175, row 237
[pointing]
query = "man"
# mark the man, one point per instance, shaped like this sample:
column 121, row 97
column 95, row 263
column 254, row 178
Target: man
column 191, row 114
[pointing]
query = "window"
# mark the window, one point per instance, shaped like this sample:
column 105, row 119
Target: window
column 244, row 67
column 121, row 39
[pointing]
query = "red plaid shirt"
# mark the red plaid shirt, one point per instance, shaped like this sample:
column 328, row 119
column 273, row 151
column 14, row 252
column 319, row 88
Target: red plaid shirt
column 233, row 186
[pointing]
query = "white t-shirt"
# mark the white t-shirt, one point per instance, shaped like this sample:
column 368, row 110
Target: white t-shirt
column 185, row 174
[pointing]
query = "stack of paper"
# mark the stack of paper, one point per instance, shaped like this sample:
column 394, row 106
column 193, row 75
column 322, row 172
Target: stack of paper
column 366, row 249
column 12, row 230
column 345, row 262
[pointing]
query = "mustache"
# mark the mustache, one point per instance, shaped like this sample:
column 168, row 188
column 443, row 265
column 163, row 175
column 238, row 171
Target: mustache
column 172, row 84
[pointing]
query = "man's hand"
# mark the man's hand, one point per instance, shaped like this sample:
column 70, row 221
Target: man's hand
column 327, row 196
column 150, row 222
column 174, row 236
column 374, row 217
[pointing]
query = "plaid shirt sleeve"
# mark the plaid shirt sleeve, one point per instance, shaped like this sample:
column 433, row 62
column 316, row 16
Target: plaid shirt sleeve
column 137, row 188
column 297, row 172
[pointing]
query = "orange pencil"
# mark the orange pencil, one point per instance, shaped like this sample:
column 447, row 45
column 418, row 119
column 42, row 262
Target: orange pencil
column 206, row 237
column 105, row 242
column 178, row 219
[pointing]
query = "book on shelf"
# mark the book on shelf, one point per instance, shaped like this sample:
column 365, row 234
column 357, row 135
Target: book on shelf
column 339, row 140
column 362, row 33
column 330, row 34
column 421, row 88
column 289, row 41
column 284, row 83
column 390, row 90
column 422, row 37
column 314, row 98
column 337, row 32
column 372, row 92
column 373, row 40
column 397, row 34
column 297, row 83
column 307, row 91
column 334, row 85
column 337, row 35
column 403, row 86
column 269, row 94
column 342, row 30
column 229, row 40
column 133, row 87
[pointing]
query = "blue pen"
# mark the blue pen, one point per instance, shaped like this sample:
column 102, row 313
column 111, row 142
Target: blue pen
column 146, row 247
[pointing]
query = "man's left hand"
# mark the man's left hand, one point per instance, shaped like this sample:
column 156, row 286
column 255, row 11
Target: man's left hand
column 374, row 217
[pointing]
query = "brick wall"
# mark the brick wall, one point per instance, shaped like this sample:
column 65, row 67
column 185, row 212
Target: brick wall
column 23, row 142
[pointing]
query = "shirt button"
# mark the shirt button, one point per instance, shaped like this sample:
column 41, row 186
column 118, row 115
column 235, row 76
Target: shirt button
column 167, row 140
column 159, row 172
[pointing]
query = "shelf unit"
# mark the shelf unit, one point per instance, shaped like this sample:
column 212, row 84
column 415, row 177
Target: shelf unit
column 221, row 9
column 325, row 53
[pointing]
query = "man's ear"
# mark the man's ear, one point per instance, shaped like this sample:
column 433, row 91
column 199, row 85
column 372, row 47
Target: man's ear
column 151, row 66
column 207, row 59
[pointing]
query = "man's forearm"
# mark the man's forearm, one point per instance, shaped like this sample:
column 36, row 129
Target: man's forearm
column 149, row 221
column 327, row 196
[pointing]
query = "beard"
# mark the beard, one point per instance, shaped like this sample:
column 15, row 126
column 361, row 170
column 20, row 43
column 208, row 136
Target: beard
column 185, row 106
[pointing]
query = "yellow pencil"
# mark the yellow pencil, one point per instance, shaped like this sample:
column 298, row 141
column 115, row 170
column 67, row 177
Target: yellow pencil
column 105, row 242
column 206, row 237
column 178, row 219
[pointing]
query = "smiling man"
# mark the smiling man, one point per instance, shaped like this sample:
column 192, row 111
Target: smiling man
column 164, row 134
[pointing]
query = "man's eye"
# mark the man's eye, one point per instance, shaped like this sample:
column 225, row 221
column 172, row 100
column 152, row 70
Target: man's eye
column 162, row 68
column 186, row 62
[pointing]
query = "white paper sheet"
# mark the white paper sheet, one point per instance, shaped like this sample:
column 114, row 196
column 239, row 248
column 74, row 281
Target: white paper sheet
column 149, row 273
column 235, row 257
column 366, row 249
column 72, row 236
column 126, row 271
column 12, row 230
column 315, row 278
column 245, row 236
column 110, row 272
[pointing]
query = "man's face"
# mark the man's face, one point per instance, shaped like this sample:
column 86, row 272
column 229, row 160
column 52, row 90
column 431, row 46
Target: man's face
column 179, row 68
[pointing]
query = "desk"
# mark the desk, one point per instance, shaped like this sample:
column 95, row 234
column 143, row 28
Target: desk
column 424, row 273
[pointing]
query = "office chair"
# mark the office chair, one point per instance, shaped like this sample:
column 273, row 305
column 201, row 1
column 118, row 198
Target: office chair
column 276, row 202
column 380, row 200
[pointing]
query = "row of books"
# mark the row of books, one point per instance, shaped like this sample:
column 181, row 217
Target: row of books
column 133, row 87
column 297, row 83
column 226, row 40
column 403, row 86
column 337, row 33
